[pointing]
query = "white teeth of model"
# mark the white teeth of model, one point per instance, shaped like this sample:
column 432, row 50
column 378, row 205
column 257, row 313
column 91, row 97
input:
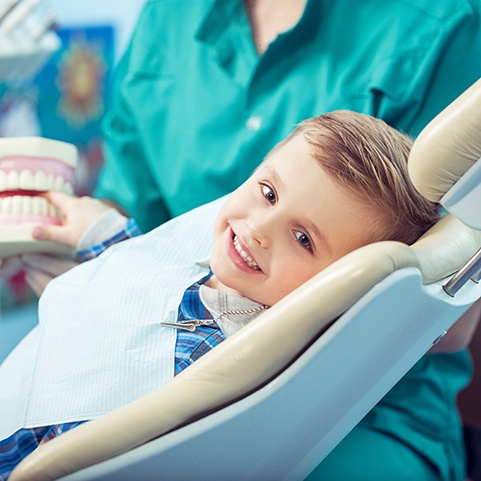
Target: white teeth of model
column 26, row 205
column 58, row 183
column 7, row 205
column 50, row 181
column 40, row 180
column 36, row 205
column 43, row 206
column 68, row 188
column 12, row 180
column 16, row 204
column 25, row 180
column 21, row 204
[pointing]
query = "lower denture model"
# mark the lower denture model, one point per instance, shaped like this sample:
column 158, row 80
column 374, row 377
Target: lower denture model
column 28, row 167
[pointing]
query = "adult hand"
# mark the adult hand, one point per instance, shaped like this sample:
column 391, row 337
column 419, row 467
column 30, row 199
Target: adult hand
column 78, row 213
column 40, row 269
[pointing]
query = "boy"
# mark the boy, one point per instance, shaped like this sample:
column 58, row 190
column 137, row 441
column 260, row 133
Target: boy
column 116, row 328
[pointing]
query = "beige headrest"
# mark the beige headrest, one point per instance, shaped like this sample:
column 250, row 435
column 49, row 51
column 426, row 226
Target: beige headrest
column 448, row 146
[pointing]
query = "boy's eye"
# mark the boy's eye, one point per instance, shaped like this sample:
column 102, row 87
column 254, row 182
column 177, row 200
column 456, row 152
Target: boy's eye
column 303, row 240
column 268, row 193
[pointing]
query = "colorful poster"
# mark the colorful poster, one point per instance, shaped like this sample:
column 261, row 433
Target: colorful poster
column 73, row 95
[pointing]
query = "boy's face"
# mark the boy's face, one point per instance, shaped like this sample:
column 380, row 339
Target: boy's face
column 286, row 223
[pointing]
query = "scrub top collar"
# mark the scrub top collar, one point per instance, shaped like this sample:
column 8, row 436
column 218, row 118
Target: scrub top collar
column 225, row 28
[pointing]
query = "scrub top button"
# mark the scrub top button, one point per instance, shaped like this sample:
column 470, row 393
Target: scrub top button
column 254, row 123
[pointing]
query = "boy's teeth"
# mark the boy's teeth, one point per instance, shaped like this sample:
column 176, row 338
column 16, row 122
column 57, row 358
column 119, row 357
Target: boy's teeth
column 247, row 258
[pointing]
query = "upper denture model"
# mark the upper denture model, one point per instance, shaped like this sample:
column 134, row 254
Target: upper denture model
column 28, row 167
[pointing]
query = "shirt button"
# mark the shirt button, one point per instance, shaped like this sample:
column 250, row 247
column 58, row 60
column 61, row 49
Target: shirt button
column 254, row 123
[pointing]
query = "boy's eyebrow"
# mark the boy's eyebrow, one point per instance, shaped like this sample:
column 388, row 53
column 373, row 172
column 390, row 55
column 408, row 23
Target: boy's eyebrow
column 274, row 174
column 322, row 238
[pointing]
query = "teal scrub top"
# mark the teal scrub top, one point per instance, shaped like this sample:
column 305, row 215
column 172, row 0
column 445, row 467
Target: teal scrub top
column 195, row 109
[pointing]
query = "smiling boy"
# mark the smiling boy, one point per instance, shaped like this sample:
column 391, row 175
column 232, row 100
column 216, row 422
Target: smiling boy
column 338, row 182
column 295, row 216
column 283, row 225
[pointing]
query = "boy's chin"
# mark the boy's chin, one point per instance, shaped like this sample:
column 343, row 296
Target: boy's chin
column 215, row 283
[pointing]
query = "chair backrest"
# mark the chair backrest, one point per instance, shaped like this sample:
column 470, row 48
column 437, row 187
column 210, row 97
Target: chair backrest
column 279, row 387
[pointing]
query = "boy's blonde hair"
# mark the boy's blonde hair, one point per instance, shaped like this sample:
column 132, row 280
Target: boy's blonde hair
column 370, row 158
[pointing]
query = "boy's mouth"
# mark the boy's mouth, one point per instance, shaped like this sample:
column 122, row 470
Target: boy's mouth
column 28, row 167
column 245, row 255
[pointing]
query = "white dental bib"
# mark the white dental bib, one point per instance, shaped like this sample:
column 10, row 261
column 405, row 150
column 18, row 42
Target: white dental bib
column 99, row 344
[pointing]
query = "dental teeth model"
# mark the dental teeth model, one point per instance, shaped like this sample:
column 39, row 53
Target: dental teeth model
column 28, row 167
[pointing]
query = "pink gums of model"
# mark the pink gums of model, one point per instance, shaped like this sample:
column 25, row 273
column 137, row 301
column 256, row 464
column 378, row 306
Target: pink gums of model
column 28, row 167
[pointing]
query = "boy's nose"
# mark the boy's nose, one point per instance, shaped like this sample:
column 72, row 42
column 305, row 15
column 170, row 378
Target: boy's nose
column 260, row 231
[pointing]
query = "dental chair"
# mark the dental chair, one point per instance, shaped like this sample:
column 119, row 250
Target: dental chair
column 273, row 400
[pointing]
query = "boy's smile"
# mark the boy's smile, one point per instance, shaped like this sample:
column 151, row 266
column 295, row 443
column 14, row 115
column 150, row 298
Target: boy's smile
column 286, row 223
column 241, row 255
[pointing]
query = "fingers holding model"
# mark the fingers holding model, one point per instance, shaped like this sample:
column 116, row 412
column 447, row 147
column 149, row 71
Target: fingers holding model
column 77, row 215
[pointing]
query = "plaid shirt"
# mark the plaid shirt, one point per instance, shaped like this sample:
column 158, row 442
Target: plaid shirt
column 130, row 230
column 189, row 347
